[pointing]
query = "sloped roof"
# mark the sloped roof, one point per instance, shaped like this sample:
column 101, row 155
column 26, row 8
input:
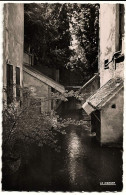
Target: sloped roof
column 38, row 75
column 105, row 93
column 89, row 81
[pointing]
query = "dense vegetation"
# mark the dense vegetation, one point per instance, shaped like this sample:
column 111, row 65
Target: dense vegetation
column 50, row 31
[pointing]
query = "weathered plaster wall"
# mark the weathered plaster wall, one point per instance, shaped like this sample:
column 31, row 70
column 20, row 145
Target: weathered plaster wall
column 15, row 33
column 13, row 39
column 109, row 39
column 112, row 120
column 119, row 72
column 39, row 89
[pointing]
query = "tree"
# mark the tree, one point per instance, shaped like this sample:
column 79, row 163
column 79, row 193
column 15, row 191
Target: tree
column 50, row 28
column 84, row 31
column 25, row 126
column 46, row 31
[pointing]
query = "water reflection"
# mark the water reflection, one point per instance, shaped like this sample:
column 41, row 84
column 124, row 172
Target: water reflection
column 80, row 166
column 75, row 165
column 74, row 145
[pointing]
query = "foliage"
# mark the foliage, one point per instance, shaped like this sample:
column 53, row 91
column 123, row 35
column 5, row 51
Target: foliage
column 24, row 118
column 26, row 125
column 47, row 33
column 64, row 35
column 84, row 20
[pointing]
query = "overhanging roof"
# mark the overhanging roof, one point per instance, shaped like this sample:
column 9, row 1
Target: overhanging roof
column 38, row 75
column 103, row 95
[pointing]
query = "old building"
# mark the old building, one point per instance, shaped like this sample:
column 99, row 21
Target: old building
column 107, row 103
column 41, row 87
column 17, row 64
column 13, row 45
column 42, row 81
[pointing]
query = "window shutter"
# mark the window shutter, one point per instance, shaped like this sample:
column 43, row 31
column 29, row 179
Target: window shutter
column 17, row 83
column 9, row 83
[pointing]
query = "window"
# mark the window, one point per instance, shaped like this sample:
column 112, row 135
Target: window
column 9, row 83
column 17, row 83
column 113, row 106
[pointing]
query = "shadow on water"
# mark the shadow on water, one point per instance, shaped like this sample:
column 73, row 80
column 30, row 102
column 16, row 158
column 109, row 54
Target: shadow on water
column 80, row 165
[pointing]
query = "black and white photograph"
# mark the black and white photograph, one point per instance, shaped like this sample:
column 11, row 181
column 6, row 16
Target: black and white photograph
column 62, row 69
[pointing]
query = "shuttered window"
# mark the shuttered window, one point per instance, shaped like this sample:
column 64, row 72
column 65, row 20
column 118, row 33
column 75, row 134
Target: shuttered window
column 9, row 83
column 17, row 83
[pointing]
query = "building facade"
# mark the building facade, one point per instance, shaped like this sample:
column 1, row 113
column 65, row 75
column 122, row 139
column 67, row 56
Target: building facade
column 41, row 87
column 111, row 33
column 13, row 46
column 107, row 101
column 113, row 41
